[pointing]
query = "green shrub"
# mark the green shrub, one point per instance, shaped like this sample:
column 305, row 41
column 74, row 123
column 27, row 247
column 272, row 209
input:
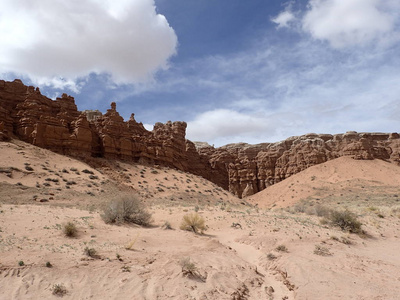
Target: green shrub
column 126, row 209
column 193, row 222
column 70, row 229
column 345, row 220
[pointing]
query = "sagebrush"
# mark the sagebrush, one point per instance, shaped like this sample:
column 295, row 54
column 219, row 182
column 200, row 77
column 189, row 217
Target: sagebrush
column 127, row 209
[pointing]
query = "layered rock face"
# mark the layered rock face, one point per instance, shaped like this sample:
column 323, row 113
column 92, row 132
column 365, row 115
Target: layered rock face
column 252, row 168
column 58, row 125
column 240, row 168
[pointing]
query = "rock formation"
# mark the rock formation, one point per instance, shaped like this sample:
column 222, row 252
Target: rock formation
column 58, row 125
column 252, row 168
column 240, row 168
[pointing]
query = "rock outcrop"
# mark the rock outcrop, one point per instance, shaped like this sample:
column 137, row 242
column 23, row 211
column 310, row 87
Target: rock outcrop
column 58, row 125
column 252, row 168
column 240, row 168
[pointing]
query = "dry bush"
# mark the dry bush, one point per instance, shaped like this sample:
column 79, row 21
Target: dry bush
column 127, row 209
column 322, row 211
column 91, row 252
column 281, row 248
column 323, row 251
column 346, row 220
column 193, row 222
column 59, row 290
column 188, row 267
column 70, row 229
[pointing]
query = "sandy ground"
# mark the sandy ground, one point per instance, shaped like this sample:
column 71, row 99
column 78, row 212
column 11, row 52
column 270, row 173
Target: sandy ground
column 270, row 255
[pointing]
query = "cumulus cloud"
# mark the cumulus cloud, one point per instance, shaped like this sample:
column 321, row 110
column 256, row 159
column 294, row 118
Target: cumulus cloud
column 347, row 23
column 60, row 41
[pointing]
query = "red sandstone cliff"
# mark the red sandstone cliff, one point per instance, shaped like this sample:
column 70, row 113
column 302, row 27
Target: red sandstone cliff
column 248, row 169
column 240, row 168
column 58, row 125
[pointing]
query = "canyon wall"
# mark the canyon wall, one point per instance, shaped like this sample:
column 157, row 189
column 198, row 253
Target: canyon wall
column 57, row 125
column 240, row 168
column 248, row 169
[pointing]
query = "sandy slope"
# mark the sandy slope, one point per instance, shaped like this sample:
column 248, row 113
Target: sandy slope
column 342, row 178
column 232, row 263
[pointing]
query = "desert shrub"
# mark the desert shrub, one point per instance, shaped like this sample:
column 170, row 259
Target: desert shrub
column 346, row 220
column 21, row 263
column 281, row 248
column 91, row 252
column 320, row 250
column 322, row 211
column 188, row 267
column 300, row 207
column 70, row 229
column 59, row 290
column 193, row 222
column 49, row 265
column 87, row 171
column 271, row 256
column 126, row 209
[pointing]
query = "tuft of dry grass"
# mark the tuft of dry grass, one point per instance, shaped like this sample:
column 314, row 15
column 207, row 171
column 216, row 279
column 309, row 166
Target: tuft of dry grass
column 193, row 222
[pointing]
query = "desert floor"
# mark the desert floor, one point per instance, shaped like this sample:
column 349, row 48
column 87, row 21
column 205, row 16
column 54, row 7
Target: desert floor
column 272, row 245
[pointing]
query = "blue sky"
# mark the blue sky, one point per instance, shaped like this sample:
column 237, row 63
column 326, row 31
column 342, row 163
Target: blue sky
column 236, row 71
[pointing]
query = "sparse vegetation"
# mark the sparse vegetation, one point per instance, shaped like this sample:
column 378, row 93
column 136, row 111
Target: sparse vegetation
column 188, row 267
column 59, row 290
column 281, row 248
column 91, row 252
column 126, row 268
column 49, row 265
column 345, row 220
column 130, row 245
column 167, row 225
column 21, row 263
column 70, row 229
column 126, row 209
column 193, row 222
column 320, row 250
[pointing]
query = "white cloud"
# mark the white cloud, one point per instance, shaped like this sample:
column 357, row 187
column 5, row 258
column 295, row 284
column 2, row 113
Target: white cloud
column 60, row 41
column 284, row 18
column 294, row 89
column 220, row 125
column 349, row 22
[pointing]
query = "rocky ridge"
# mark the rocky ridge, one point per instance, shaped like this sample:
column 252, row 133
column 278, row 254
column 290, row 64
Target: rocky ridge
column 242, row 169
